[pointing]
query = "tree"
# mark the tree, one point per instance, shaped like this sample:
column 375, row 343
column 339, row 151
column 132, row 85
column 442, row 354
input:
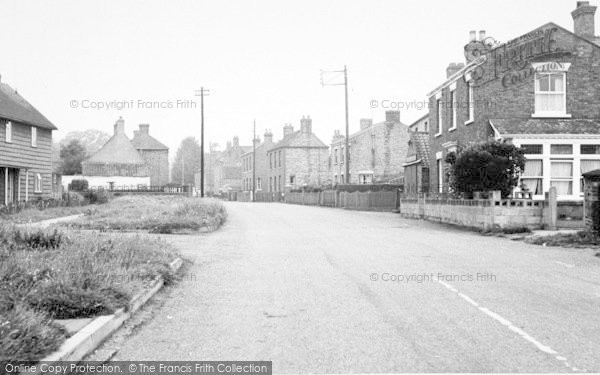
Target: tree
column 189, row 151
column 71, row 156
column 487, row 166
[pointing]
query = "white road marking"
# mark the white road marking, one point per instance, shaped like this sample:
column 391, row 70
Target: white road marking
column 510, row 326
column 564, row 264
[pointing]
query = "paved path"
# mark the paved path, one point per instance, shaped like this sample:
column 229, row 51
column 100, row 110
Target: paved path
column 309, row 288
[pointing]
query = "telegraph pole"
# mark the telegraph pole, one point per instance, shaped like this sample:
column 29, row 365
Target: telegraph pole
column 254, row 163
column 323, row 84
column 201, row 93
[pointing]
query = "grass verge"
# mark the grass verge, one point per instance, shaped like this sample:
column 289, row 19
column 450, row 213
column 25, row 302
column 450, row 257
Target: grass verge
column 155, row 214
column 47, row 275
column 581, row 239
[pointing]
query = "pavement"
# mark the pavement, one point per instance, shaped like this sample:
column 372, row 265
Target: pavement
column 322, row 290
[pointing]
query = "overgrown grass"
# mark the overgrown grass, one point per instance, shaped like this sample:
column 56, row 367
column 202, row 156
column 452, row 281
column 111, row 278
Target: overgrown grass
column 156, row 214
column 54, row 275
column 506, row 230
column 581, row 239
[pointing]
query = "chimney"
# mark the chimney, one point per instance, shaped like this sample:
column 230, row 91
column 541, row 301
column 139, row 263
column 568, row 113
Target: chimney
column 145, row 129
column 472, row 36
column 236, row 141
column 120, row 126
column 583, row 19
column 306, row 125
column 268, row 136
column 136, row 133
column 392, row 116
column 257, row 141
column 453, row 68
column 336, row 136
column 365, row 123
column 481, row 35
column 288, row 129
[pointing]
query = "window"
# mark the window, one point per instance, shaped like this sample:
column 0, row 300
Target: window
column 532, row 176
column 590, row 149
column 292, row 178
column 335, row 179
column 440, row 168
column 561, row 176
column 550, row 94
column 470, row 104
column 280, row 162
column 426, row 127
column 336, row 156
column 342, row 156
column 532, row 149
column 37, row 182
column 280, row 180
column 33, row 136
column 561, row 149
column 439, row 116
column 270, row 184
column 8, row 128
column 453, row 107
column 258, row 184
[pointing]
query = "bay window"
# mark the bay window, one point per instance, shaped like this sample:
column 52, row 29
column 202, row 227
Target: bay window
column 561, row 176
column 533, row 176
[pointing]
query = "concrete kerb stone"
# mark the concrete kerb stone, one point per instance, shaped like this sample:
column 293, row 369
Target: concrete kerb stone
column 76, row 347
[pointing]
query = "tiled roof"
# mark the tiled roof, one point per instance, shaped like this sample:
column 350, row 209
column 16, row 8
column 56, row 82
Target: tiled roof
column 299, row 139
column 144, row 141
column 117, row 150
column 420, row 141
column 546, row 126
column 15, row 108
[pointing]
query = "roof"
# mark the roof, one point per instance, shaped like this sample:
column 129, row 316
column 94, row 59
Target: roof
column 420, row 142
column 300, row 140
column 144, row 141
column 258, row 148
column 521, row 126
column 419, row 120
column 15, row 108
column 117, row 150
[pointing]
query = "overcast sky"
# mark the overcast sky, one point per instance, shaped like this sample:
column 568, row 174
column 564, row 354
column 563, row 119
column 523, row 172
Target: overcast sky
column 260, row 59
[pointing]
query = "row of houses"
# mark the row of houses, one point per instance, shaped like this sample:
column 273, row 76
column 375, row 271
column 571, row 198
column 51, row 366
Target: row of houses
column 539, row 91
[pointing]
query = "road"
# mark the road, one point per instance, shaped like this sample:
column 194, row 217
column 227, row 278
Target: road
column 327, row 290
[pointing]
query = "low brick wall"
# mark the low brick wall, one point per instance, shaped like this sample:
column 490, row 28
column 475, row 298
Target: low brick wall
column 477, row 213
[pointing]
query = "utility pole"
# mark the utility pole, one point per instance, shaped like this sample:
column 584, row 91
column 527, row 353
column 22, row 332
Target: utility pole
column 202, row 93
column 323, row 84
column 254, row 163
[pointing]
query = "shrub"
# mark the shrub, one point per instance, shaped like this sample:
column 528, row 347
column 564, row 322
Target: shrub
column 78, row 185
column 484, row 167
column 96, row 196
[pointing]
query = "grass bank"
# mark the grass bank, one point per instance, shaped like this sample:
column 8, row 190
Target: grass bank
column 155, row 214
column 581, row 239
column 51, row 274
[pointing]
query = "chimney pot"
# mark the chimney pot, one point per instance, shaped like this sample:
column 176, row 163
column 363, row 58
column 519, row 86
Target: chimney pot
column 144, row 129
column 453, row 68
column 120, row 126
column 481, row 35
column 306, row 125
column 472, row 36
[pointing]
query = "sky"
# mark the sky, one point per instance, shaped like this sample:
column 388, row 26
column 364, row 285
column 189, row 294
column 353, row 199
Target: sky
column 85, row 63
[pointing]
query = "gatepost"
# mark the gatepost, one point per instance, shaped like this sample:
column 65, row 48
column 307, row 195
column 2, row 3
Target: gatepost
column 551, row 210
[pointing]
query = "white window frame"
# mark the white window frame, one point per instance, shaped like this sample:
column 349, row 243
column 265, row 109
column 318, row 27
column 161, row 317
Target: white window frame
column 34, row 138
column 470, row 103
column 453, row 121
column 440, row 119
column 8, row 128
column 37, row 183
column 551, row 114
column 440, row 171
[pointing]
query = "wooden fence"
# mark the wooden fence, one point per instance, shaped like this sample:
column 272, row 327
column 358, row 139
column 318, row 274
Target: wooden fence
column 366, row 201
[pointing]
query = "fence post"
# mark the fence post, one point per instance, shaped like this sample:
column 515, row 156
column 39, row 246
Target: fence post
column 551, row 209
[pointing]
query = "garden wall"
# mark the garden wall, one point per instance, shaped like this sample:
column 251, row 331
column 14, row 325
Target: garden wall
column 366, row 201
column 477, row 213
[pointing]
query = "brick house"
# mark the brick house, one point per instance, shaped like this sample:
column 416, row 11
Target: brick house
column 116, row 164
column 25, row 149
column 227, row 170
column 540, row 91
column 416, row 166
column 377, row 152
column 154, row 153
column 262, row 164
column 299, row 159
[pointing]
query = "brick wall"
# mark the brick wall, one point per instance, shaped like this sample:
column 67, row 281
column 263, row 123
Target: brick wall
column 158, row 165
column 307, row 165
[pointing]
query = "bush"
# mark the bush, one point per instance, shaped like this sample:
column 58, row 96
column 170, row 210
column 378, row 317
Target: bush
column 484, row 167
column 78, row 185
column 96, row 196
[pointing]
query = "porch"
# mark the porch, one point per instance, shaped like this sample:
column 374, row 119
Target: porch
column 14, row 185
